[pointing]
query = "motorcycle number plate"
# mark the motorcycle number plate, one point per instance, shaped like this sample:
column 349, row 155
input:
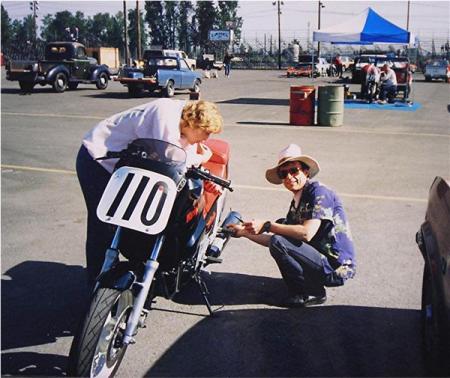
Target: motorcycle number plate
column 138, row 199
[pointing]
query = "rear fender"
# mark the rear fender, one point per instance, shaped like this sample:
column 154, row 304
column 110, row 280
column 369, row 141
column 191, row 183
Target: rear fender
column 56, row 70
column 121, row 277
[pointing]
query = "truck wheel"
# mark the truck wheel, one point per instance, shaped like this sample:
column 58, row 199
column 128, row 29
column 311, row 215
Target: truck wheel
column 26, row 86
column 60, row 82
column 169, row 90
column 196, row 87
column 73, row 86
column 102, row 81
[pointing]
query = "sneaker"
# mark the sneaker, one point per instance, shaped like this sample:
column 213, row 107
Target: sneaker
column 312, row 300
column 382, row 102
column 294, row 301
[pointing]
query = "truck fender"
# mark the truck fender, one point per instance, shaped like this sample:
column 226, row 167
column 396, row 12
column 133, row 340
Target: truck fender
column 55, row 70
column 98, row 70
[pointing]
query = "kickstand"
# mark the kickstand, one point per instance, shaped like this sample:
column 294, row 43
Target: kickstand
column 204, row 290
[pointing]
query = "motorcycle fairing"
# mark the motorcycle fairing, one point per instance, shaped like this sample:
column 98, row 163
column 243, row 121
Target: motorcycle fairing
column 138, row 199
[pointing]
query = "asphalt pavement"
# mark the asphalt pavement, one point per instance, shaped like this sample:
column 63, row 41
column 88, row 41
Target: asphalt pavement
column 381, row 162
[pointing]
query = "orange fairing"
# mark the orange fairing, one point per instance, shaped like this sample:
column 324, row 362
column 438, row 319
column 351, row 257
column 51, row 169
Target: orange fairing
column 217, row 165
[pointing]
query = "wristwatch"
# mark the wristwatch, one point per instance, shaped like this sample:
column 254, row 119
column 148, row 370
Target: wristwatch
column 265, row 227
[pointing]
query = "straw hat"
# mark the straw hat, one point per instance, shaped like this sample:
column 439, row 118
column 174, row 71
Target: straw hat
column 292, row 153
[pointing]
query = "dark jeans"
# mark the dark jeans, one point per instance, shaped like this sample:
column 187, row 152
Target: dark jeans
column 304, row 269
column 93, row 179
column 388, row 91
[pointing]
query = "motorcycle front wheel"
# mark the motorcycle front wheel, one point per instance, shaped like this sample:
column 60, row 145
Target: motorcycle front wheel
column 97, row 349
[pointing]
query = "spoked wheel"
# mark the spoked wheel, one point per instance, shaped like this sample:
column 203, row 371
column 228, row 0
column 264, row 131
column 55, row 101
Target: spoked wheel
column 98, row 349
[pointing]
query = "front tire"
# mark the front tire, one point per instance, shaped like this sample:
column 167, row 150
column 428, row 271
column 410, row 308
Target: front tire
column 102, row 81
column 60, row 83
column 97, row 349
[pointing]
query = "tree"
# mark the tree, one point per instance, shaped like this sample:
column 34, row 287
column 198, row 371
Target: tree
column 154, row 17
column 171, row 17
column 185, row 23
column 206, row 16
column 6, row 28
column 132, row 31
column 227, row 12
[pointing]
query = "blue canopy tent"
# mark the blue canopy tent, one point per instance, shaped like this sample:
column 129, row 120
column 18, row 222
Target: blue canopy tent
column 364, row 29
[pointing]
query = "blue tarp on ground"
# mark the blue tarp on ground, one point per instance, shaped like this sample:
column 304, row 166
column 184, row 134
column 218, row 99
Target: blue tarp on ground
column 398, row 105
column 366, row 28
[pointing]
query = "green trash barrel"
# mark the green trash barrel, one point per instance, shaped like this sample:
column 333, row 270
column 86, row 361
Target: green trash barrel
column 331, row 106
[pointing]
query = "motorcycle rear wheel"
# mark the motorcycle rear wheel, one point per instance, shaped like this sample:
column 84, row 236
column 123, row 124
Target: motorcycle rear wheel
column 97, row 349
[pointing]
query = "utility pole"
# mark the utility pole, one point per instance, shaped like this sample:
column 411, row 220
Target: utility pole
column 279, row 3
column 407, row 17
column 138, row 29
column 125, row 33
column 318, row 26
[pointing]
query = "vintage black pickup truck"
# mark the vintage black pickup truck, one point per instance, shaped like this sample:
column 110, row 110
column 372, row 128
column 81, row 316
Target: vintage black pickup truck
column 65, row 66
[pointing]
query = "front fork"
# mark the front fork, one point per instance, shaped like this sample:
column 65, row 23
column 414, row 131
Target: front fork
column 151, row 266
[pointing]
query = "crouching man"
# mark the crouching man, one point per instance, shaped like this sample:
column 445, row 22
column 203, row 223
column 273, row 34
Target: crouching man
column 312, row 246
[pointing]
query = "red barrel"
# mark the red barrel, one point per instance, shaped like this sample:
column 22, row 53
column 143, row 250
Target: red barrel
column 302, row 105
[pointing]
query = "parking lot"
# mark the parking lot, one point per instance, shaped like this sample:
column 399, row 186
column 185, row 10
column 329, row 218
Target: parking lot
column 381, row 162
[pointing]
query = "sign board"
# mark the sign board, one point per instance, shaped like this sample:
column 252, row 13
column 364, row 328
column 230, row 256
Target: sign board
column 219, row 35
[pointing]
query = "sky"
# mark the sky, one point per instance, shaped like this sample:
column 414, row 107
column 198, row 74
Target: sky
column 427, row 19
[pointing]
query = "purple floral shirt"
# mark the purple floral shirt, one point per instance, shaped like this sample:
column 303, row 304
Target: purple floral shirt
column 333, row 239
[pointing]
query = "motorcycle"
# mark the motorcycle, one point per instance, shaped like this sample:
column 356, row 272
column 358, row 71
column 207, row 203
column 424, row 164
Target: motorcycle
column 168, row 228
column 372, row 89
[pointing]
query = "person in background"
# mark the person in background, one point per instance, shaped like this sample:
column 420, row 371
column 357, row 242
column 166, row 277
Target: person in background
column 227, row 63
column 312, row 246
column 183, row 123
column 388, row 85
column 339, row 65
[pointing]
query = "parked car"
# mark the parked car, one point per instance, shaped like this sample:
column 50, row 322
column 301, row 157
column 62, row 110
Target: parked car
column 438, row 69
column 164, row 73
column 433, row 239
column 66, row 65
column 321, row 65
column 300, row 69
column 208, row 62
column 347, row 62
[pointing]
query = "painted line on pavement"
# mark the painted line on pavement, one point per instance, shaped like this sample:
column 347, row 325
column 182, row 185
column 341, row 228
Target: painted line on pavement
column 237, row 186
column 34, row 169
column 263, row 125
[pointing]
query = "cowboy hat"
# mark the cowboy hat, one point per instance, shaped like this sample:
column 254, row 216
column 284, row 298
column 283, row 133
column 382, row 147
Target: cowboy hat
column 292, row 153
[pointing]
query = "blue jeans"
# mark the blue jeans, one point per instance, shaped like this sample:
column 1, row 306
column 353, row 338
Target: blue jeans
column 304, row 269
column 227, row 69
column 93, row 179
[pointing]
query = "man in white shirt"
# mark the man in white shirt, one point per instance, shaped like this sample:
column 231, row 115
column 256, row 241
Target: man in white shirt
column 388, row 84
column 182, row 123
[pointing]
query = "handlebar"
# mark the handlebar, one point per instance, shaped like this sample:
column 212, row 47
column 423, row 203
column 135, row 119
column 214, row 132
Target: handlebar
column 195, row 172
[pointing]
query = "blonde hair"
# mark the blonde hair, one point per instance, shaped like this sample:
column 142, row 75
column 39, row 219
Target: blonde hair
column 202, row 115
